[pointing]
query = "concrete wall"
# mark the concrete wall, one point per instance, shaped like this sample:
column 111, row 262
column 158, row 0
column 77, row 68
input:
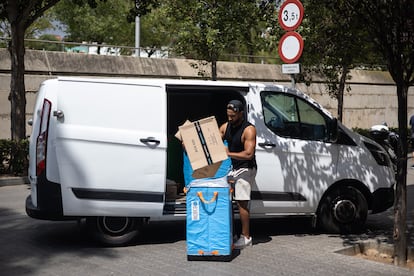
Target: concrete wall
column 372, row 99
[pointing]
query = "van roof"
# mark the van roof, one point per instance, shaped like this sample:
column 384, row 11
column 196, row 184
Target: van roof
column 168, row 81
column 162, row 81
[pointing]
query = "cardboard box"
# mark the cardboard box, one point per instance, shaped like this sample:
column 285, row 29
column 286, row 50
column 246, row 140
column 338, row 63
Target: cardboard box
column 204, row 146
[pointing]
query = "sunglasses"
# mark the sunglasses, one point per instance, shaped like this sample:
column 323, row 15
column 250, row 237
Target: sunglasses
column 233, row 107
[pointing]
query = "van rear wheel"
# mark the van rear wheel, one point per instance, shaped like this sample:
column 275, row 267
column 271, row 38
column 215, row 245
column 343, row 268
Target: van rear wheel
column 343, row 210
column 113, row 231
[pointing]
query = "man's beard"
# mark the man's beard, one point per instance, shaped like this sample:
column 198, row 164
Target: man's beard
column 235, row 123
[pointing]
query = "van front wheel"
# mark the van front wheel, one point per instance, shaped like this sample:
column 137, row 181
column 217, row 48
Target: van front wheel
column 113, row 231
column 343, row 210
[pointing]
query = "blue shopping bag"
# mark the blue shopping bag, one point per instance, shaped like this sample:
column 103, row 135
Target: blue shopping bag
column 209, row 220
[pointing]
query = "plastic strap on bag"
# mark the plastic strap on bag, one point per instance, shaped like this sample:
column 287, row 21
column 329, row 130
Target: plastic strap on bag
column 200, row 195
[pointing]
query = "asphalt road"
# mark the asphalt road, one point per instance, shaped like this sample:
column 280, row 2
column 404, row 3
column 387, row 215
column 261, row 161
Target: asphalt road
column 281, row 247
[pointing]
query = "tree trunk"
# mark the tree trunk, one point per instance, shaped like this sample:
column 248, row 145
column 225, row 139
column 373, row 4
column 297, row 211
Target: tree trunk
column 17, row 94
column 214, row 70
column 341, row 90
column 400, row 205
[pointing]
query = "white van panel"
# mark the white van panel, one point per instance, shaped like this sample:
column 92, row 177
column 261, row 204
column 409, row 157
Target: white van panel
column 104, row 151
column 46, row 91
column 293, row 173
column 37, row 113
column 311, row 169
column 356, row 162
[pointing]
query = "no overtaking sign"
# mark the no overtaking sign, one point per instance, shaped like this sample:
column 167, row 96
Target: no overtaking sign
column 290, row 47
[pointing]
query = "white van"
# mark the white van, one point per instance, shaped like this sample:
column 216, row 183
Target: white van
column 104, row 150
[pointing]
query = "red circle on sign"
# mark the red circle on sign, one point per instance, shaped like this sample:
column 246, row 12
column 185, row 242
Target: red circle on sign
column 290, row 47
column 295, row 19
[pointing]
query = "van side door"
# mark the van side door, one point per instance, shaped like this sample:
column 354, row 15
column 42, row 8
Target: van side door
column 111, row 148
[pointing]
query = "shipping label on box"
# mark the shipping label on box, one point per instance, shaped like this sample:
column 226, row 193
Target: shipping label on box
column 204, row 145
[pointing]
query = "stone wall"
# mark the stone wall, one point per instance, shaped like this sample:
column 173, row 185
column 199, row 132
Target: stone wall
column 372, row 99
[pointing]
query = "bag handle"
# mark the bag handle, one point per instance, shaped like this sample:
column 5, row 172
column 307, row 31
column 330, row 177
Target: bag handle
column 200, row 195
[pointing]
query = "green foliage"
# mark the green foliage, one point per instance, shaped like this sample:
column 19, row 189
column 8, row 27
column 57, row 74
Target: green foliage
column 14, row 157
column 391, row 25
column 156, row 30
column 47, row 46
column 106, row 23
column 142, row 7
column 208, row 30
column 334, row 40
column 12, row 11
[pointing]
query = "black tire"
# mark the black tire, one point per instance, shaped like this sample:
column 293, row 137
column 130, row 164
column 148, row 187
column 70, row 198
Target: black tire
column 113, row 231
column 343, row 210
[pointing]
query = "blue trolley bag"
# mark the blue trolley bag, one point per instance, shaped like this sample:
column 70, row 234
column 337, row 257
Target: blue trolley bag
column 209, row 220
column 209, row 214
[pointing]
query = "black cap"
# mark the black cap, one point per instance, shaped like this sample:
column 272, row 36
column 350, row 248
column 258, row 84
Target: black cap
column 235, row 105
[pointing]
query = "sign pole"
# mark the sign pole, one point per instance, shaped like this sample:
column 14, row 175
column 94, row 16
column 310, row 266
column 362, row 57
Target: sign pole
column 137, row 36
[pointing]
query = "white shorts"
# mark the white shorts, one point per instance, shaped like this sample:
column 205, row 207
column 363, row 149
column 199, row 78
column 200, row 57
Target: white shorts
column 243, row 180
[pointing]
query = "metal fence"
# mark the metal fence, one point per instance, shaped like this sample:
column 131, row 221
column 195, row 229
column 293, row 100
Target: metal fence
column 121, row 50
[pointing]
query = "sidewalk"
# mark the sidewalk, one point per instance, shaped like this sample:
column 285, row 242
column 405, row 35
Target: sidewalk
column 6, row 180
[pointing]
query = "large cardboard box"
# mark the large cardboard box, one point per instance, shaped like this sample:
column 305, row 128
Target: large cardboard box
column 204, row 146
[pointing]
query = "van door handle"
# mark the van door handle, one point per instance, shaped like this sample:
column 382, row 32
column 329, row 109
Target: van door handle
column 267, row 145
column 151, row 140
column 58, row 113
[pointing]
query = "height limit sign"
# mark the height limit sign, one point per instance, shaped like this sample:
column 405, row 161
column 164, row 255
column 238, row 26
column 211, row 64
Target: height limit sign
column 291, row 15
column 291, row 44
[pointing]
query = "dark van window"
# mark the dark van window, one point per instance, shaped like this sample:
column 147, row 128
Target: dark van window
column 289, row 116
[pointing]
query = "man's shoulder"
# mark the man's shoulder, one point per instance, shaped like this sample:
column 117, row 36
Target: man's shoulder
column 250, row 125
column 250, row 128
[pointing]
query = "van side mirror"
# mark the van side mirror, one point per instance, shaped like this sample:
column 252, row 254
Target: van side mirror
column 333, row 130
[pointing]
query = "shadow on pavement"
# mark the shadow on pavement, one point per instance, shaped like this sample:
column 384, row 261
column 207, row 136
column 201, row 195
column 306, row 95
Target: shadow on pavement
column 27, row 243
column 380, row 227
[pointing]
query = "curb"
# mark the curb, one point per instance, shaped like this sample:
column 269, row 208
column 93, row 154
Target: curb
column 13, row 180
column 363, row 247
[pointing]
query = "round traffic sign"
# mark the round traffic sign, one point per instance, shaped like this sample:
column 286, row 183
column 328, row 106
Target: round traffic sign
column 290, row 14
column 290, row 47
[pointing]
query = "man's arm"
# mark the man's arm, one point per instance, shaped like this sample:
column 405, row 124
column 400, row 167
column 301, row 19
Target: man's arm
column 223, row 130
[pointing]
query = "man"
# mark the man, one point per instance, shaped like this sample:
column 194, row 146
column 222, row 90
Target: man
column 241, row 138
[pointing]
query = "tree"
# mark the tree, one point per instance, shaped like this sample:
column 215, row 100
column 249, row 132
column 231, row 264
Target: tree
column 20, row 14
column 334, row 42
column 46, row 46
column 390, row 26
column 106, row 23
column 157, row 30
column 41, row 24
column 111, row 23
column 207, row 29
